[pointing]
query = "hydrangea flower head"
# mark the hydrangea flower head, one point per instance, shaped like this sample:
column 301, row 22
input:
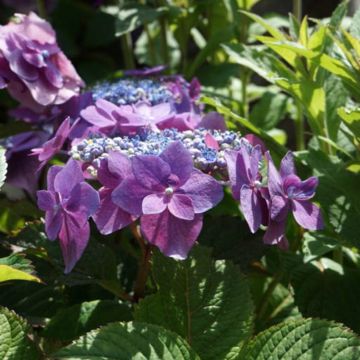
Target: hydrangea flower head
column 68, row 202
column 35, row 70
column 170, row 196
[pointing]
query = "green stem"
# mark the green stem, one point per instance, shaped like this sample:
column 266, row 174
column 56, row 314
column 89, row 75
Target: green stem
column 338, row 255
column 126, row 47
column 115, row 288
column 297, row 9
column 152, row 50
column 299, row 127
column 41, row 8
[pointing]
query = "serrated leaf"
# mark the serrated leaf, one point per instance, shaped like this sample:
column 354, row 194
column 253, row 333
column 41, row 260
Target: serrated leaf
column 324, row 289
column 76, row 320
column 208, row 303
column 136, row 341
column 3, row 167
column 304, row 339
column 14, row 340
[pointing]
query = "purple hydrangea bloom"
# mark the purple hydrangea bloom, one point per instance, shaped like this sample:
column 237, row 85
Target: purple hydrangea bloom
column 68, row 202
column 170, row 195
column 244, row 176
column 287, row 193
column 36, row 71
column 112, row 171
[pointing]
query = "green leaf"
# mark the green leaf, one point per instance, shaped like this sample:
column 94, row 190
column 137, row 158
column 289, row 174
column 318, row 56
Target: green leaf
column 8, row 273
column 316, row 245
column 325, row 289
column 304, row 339
column 269, row 111
column 355, row 25
column 199, row 300
column 15, row 343
column 351, row 118
column 76, row 320
column 3, row 167
column 136, row 341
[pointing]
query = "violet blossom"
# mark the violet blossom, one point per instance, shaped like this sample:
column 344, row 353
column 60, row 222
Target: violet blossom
column 112, row 171
column 68, row 202
column 36, row 71
column 245, row 179
column 170, row 195
column 287, row 193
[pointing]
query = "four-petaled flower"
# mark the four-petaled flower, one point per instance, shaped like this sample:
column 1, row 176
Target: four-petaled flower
column 287, row 193
column 170, row 195
column 68, row 202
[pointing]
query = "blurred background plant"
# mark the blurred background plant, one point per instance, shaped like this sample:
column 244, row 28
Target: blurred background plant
column 293, row 80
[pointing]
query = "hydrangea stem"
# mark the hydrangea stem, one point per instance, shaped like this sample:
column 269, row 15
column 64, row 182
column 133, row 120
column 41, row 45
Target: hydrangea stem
column 297, row 9
column 143, row 272
column 126, row 47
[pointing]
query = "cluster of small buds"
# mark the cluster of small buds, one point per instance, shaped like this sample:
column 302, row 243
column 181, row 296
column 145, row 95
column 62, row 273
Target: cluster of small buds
column 130, row 91
column 207, row 159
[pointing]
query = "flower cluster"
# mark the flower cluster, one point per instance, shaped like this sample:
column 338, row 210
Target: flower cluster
column 207, row 155
column 157, row 156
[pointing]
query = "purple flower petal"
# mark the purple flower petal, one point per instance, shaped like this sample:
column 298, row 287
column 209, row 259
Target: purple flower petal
column 279, row 208
column 231, row 161
column 274, row 178
column 109, row 217
column 213, row 121
column 50, row 180
column 287, row 166
column 275, row 233
column 307, row 215
column 154, row 204
column 53, row 222
column 129, row 196
column 179, row 160
column 74, row 238
column 151, row 171
column 251, row 207
column 173, row 236
column 100, row 114
column 46, row 200
column 204, row 191
column 301, row 190
column 83, row 201
column 181, row 207
column 68, row 178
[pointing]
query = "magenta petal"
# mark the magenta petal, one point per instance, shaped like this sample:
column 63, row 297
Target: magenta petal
column 83, row 200
column 100, row 114
column 213, row 121
column 287, row 166
column 174, row 237
column 69, row 176
column 307, row 215
column 154, row 204
column 179, row 160
column 109, row 217
column 21, row 67
column 210, row 142
column 53, row 223
column 181, row 207
column 251, row 207
column 150, row 171
column 119, row 164
column 46, row 200
column 204, row 191
column 129, row 196
column 73, row 241
column 53, row 75
column 53, row 171
column 279, row 208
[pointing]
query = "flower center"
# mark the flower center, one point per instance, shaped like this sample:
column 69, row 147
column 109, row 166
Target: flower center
column 169, row 191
